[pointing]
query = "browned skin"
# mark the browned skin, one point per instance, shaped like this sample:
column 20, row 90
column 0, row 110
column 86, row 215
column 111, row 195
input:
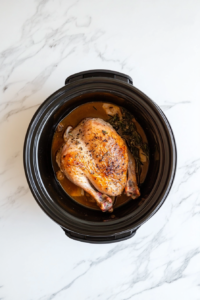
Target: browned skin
column 94, row 152
column 131, row 188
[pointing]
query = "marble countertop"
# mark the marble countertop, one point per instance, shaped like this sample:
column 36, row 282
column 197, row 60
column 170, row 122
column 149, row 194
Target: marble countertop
column 157, row 43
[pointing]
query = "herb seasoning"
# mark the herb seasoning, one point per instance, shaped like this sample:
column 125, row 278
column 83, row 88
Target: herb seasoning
column 127, row 129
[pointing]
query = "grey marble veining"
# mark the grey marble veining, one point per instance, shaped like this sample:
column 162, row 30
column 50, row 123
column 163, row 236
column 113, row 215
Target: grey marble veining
column 156, row 43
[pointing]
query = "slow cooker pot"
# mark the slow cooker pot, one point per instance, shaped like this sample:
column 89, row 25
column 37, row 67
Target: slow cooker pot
column 78, row 222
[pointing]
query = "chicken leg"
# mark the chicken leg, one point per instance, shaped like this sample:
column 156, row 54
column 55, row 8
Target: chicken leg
column 131, row 188
column 103, row 201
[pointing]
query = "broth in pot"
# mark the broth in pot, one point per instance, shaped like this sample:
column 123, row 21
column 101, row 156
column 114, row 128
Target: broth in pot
column 126, row 126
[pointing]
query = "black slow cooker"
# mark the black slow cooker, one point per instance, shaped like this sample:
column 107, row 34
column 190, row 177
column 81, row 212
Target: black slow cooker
column 78, row 222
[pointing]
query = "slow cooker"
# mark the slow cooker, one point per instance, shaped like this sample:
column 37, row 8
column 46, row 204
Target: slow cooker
column 78, row 222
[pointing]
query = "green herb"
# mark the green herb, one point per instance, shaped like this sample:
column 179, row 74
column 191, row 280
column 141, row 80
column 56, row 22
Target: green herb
column 70, row 134
column 94, row 107
column 128, row 131
column 104, row 132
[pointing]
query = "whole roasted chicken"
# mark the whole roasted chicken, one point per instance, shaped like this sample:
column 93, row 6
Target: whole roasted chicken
column 95, row 158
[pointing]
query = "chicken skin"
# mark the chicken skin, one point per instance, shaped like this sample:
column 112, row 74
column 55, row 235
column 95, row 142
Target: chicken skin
column 95, row 158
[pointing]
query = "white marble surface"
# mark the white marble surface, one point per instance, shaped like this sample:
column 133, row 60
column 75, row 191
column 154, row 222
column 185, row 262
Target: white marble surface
column 158, row 44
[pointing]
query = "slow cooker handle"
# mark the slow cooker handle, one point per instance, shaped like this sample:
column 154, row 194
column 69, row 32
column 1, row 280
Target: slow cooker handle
column 98, row 239
column 99, row 73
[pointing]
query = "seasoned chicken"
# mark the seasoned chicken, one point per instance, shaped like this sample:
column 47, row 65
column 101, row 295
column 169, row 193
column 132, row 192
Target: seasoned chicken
column 95, row 158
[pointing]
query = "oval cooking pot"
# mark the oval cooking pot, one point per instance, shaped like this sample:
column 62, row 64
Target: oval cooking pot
column 78, row 222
